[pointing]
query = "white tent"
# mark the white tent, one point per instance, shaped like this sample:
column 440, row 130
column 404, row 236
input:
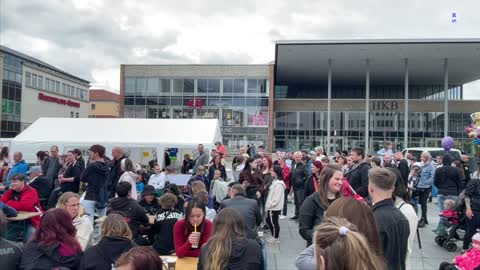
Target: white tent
column 68, row 133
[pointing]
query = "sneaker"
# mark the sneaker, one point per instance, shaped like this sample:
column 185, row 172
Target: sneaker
column 273, row 241
column 265, row 227
column 294, row 218
column 283, row 217
column 260, row 234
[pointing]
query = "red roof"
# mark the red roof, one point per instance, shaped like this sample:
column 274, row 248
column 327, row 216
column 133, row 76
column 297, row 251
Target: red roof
column 103, row 95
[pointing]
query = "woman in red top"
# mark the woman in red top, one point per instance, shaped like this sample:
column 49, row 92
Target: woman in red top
column 183, row 236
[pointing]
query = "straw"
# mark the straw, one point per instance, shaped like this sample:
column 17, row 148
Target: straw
column 195, row 227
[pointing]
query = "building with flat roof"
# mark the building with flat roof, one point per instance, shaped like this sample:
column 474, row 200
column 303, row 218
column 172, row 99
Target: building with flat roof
column 238, row 95
column 103, row 104
column 360, row 93
column 32, row 89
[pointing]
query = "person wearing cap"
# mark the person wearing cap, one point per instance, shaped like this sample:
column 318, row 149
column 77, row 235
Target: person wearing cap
column 22, row 197
column 42, row 184
column 149, row 200
column 468, row 260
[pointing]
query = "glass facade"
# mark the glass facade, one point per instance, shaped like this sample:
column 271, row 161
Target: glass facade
column 428, row 92
column 240, row 104
column 11, row 96
column 305, row 130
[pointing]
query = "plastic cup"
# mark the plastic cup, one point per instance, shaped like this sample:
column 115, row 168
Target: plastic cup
column 171, row 263
column 197, row 237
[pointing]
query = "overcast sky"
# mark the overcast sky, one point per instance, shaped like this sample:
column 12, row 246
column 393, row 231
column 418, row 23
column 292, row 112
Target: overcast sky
column 91, row 38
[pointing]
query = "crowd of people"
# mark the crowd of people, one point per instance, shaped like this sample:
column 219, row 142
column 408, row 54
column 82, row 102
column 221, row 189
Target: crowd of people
column 354, row 211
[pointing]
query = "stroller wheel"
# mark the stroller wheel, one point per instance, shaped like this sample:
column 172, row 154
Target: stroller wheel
column 450, row 246
column 439, row 239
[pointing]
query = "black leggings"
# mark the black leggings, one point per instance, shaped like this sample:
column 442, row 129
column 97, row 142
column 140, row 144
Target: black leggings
column 272, row 222
column 447, row 266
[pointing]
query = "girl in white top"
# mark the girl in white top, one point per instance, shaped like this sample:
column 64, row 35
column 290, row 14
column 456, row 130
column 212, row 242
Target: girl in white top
column 401, row 196
column 71, row 203
column 128, row 175
column 274, row 203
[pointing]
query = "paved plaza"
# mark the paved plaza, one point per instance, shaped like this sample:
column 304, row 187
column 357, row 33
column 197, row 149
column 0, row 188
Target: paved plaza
column 282, row 257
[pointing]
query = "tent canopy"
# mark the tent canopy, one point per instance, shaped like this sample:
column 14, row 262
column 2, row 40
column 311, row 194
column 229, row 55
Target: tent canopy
column 111, row 132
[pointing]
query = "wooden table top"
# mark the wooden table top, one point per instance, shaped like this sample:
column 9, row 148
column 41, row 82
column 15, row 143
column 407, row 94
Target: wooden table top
column 24, row 216
column 185, row 263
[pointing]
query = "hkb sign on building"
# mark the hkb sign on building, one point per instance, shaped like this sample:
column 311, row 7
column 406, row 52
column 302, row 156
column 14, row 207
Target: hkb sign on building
column 389, row 105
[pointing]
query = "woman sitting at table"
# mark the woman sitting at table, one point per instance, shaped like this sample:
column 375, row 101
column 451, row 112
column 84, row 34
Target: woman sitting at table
column 228, row 248
column 116, row 239
column 139, row 258
column 53, row 244
column 191, row 233
column 71, row 202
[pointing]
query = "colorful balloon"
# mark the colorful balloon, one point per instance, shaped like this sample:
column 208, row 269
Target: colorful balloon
column 448, row 143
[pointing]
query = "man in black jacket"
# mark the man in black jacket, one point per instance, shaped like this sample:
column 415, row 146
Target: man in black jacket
column 129, row 208
column 298, row 177
column 392, row 224
column 248, row 208
column 42, row 184
column 358, row 174
column 472, row 203
column 448, row 181
column 402, row 165
column 115, row 171
column 95, row 176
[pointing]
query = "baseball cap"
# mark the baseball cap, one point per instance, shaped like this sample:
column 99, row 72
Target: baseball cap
column 35, row 169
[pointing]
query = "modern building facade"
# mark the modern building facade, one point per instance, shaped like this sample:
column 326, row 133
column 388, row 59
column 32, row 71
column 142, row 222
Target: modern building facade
column 360, row 93
column 32, row 89
column 240, row 96
column 103, row 104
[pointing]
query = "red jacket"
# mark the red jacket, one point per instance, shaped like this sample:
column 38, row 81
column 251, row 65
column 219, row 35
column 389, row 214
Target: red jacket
column 286, row 176
column 27, row 203
column 183, row 248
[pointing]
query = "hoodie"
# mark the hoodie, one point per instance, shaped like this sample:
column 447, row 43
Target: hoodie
column 40, row 257
column 95, row 175
column 131, row 210
column 447, row 178
column 105, row 253
column 132, row 179
column 246, row 254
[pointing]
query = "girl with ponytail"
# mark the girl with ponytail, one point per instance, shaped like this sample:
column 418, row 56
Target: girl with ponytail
column 339, row 246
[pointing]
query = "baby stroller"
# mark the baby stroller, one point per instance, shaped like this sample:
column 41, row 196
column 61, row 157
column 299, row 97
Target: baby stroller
column 457, row 226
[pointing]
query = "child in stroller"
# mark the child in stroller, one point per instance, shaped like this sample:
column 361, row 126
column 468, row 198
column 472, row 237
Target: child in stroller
column 448, row 217
column 468, row 260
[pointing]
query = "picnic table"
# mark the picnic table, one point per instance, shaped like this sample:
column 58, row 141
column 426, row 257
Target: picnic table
column 22, row 216
column 185, row 263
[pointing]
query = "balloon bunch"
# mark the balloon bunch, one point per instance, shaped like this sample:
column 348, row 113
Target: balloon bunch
column 473, row 130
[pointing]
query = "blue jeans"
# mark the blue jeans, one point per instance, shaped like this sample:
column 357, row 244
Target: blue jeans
column 90, row 208
column 442, row 198
column 264, row 253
